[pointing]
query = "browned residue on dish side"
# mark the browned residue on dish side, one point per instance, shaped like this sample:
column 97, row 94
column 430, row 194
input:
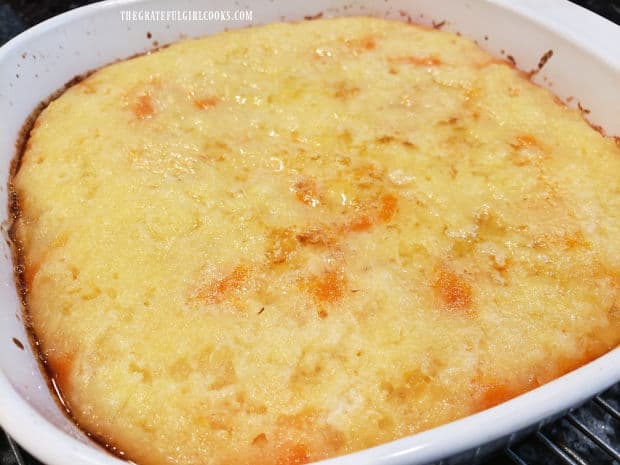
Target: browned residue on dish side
column 314, row 16
column 18, row 343
column 405, row 15
column 541, row 63
column 582, row 109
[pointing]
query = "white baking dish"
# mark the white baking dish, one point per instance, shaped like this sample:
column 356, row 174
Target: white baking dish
column 585, row 65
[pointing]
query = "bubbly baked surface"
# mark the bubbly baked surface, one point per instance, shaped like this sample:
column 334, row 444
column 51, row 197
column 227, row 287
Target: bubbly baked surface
column 285, row 243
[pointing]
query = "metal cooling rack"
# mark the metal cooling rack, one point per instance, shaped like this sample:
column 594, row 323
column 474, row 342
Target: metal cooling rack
column 589, row 435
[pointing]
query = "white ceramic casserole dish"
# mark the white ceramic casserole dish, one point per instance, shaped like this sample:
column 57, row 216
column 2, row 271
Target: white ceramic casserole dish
column 585, row 66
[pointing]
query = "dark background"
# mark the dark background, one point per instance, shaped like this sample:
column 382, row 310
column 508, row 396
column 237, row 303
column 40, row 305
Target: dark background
column 589, row 435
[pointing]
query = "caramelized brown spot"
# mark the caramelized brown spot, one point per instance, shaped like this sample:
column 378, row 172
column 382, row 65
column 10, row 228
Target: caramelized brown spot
column 18, row 343
column 416, row 61
column 389, row 205
column 570, row 240
column 503, row 267
column 526, row 140
column 296, row 454
column 368, row 171
column 575, row 239
column 322, row 312
column 368, row 43
column 344, row 91
column 216, row 291
column 450, row 121
column 360, row 224
column 281, row 244
column 206, row 102
column 318, row 235
column 385, row 139
column 361, row 44
column 453, row 291
column 143, row 107
column 260, row 440
column 376, row 212
column 306, row 191
column 328, row 287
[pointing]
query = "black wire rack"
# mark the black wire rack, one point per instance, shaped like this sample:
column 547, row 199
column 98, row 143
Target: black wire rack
column 588, row 435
